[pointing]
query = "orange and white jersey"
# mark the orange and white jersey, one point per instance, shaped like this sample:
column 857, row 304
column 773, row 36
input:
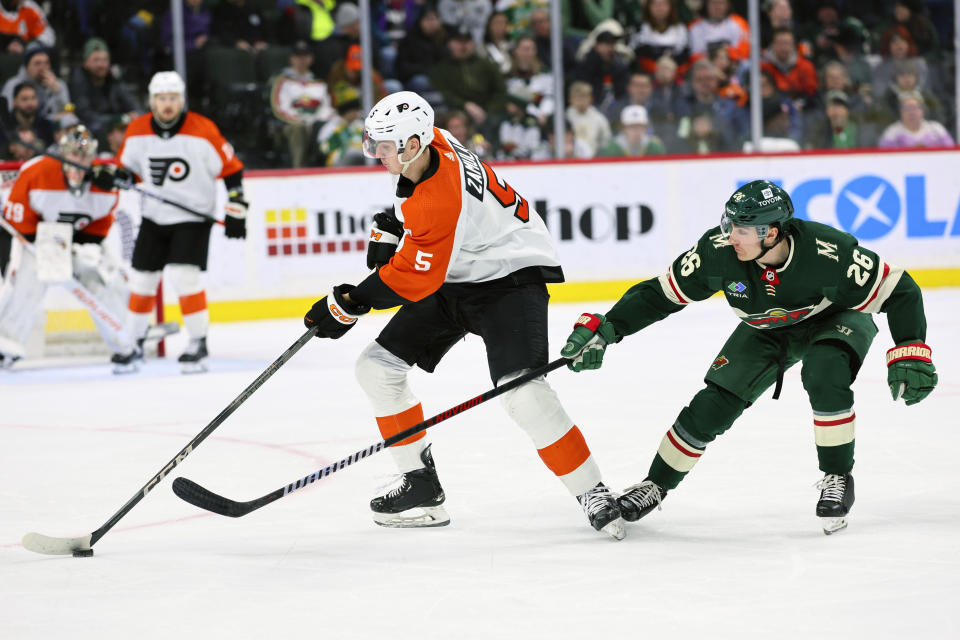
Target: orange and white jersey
column 182, row 164
column 463, row 224
column 40, row 193
column 28, row 22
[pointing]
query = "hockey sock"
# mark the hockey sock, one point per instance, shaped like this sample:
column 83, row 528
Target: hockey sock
column 406, row 453
column 143, row 296
column 834, row 433
column 196, row 318
column 570, row 460
column 536, row 409
column 711, row 412
column 828, row 372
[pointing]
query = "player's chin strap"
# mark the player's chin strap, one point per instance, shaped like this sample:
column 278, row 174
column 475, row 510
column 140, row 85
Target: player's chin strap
column 405, row 165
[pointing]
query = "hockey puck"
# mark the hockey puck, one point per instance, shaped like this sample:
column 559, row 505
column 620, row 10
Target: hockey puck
column 82, row 553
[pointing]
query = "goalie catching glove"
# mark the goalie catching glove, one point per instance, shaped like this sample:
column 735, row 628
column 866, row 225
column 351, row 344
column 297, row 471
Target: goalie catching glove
column 910, row 372
column 385, row 235
column 109, row 177
column 586, row 345
column 235, row 215
column 333, row 315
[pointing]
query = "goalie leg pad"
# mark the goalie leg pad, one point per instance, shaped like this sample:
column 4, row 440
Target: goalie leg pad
column 383, row 377
column 536, row 409
column 21, row 301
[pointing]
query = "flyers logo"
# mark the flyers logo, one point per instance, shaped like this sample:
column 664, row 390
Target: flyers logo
column 78, row 220
column 176, row 169
column 403, row 106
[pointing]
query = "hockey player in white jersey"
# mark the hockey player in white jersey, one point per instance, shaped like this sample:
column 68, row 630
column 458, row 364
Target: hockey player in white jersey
column 49, row 195
column 473, row 259
column 180, row 155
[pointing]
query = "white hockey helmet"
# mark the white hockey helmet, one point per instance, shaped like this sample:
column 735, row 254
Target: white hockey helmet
column 395, row 119
column 166, row 82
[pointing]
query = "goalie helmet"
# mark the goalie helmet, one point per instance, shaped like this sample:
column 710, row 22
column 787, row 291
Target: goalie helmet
column 758, row 204
column 395, row 119
column 79, row 144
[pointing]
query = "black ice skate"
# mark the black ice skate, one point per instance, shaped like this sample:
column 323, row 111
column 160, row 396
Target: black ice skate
column 416, row 500
column 836, row 499
column 6, row 361
column 128, row 362
column 602, row 511
column 194, row 358
column 640, row 499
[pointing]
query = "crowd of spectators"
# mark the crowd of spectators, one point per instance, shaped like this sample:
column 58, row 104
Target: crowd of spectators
column 641, row 77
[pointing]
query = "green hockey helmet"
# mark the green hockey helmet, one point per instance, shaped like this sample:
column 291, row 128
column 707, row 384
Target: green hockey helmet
column 757, row 204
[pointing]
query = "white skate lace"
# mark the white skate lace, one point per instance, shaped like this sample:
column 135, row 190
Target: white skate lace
column 393, row 486
column 643, row 495
column 832, row 487
column 595, row 500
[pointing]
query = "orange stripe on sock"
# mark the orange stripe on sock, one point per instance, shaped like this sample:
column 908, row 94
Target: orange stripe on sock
column 392, row 425
column 193, row 303
column 141, row 304
column 567, row 453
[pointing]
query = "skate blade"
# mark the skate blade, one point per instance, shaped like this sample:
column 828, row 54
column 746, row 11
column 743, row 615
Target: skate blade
column 615, row 529
column 124, row 369
column 411, row 519
column 188, row 368
column 832, row 525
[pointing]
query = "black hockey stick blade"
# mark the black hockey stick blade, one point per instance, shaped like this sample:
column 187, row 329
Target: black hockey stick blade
column 191, row 492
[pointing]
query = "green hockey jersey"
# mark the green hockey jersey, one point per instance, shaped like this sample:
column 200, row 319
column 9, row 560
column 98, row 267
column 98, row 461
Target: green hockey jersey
column 826, row 270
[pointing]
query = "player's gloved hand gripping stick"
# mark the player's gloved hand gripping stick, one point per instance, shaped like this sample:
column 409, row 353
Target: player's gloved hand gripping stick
column 588, row 342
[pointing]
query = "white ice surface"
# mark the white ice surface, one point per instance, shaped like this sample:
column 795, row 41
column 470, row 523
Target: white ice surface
column 736, row 552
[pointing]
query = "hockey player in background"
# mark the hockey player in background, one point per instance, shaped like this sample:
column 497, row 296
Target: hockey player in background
column 180, row 155
column 804, row 292
column 473, row 259
column 47, row 190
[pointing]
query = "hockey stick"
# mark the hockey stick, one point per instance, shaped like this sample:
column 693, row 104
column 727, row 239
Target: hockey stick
column 196, row 495
column 6, row 120
column 40, row 543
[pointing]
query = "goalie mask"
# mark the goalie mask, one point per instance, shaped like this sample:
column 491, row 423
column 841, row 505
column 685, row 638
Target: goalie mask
column 393, row 121
column 80, row 147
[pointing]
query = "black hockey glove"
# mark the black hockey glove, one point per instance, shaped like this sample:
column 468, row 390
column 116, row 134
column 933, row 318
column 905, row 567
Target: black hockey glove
column 109, row 177
column 333, row 315
column 235, row 216
column 385, row 235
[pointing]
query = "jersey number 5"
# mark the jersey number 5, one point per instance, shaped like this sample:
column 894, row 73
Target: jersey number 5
column 506, row 195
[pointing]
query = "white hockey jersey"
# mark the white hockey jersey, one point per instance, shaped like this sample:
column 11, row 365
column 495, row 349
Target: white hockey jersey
column 182, row 165
column 464, row 224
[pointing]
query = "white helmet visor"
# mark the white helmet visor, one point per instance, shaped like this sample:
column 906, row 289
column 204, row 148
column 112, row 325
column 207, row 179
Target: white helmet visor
column 373, row 148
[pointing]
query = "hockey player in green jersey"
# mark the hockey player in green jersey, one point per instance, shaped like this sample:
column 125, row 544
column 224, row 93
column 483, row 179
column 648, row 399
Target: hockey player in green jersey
column 804, row 292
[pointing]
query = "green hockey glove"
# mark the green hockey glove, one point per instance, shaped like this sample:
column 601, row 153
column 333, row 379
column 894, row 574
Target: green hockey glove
column 910, row 372
column 585, row 346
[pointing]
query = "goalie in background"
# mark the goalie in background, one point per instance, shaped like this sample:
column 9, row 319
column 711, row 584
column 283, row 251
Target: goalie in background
column 179, row 155
column 47, row 195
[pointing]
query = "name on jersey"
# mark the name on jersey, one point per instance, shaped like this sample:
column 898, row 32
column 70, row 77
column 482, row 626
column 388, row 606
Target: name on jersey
column 777, row 317
column 472, row 170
